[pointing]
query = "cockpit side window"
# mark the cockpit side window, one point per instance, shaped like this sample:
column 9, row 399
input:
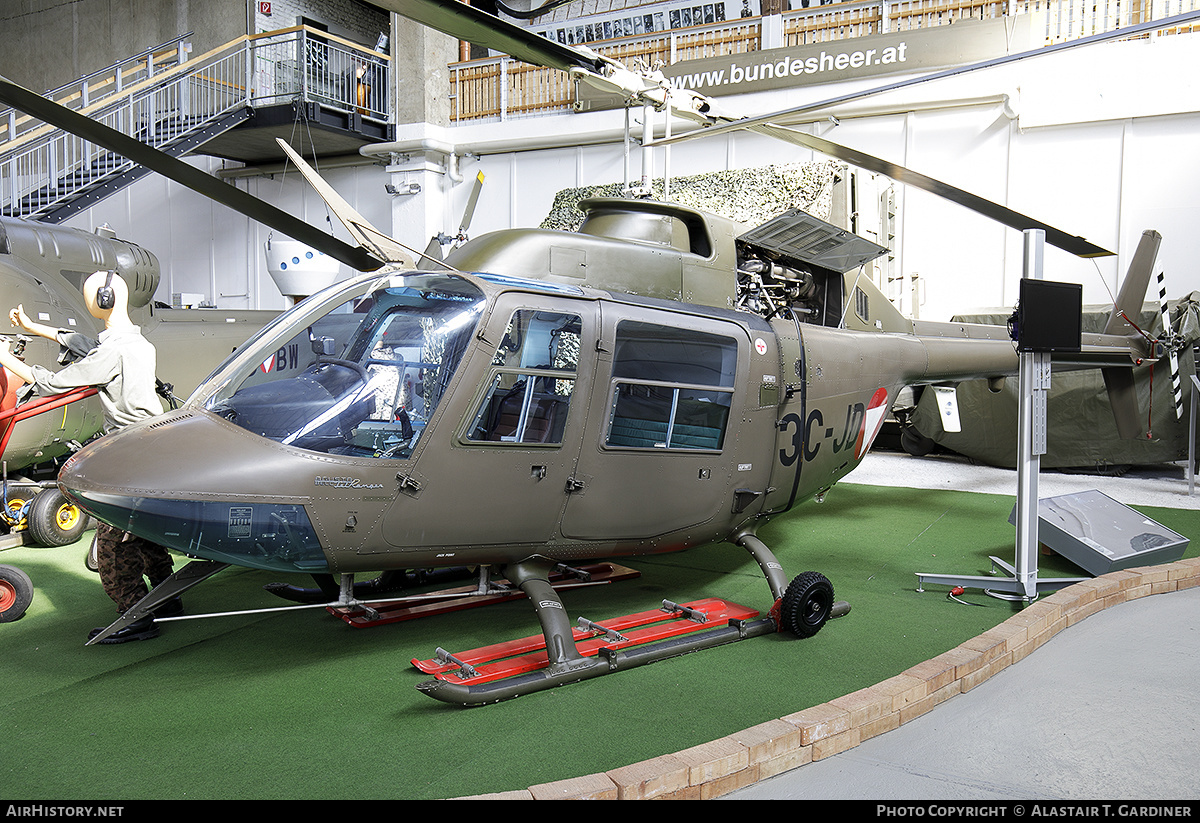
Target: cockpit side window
column 531, row 381
column 671, row 388
column 365, row 378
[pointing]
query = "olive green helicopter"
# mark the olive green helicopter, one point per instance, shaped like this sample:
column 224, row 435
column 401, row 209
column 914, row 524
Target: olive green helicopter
column 539, row 400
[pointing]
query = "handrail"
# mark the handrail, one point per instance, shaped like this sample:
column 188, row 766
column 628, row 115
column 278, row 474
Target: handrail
column 263, row 69
column 96, row 110
column 324, row 35
column 83, row 90
column 166, row 47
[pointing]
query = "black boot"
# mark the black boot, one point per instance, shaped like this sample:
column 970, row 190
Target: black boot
column 143, row 629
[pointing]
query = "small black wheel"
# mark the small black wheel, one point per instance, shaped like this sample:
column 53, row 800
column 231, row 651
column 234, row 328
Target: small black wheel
column 92, row 560
column 806, row 604
column 16, row 593
column 54, row 520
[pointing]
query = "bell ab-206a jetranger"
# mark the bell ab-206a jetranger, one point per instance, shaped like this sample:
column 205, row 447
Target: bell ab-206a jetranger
column 658, row 380
column 542, row 399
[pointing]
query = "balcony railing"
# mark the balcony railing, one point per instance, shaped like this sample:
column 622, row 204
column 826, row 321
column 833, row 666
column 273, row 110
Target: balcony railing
column 306, row 64
column 501, row 88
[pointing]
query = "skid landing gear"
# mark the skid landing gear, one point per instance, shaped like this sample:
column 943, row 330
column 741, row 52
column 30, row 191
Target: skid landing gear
column 485, row 592
column 565, row 654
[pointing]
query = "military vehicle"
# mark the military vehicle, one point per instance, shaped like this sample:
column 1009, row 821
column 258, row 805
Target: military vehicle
column 661, row 379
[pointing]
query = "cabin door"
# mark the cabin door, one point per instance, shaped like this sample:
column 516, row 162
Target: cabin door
column 495, row 469
column 661, row 427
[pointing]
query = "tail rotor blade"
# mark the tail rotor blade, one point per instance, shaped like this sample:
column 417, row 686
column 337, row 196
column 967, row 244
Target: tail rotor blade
column 469, row 212
column 1173, row 356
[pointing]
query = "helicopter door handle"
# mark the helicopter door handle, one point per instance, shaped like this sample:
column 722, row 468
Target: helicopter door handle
column 409, row 484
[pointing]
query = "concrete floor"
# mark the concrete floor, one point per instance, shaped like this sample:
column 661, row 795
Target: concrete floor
column 1103, row 711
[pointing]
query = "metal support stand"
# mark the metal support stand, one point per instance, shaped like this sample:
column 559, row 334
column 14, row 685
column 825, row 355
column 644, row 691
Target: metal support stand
column 1034, row 376
column 1031, row 423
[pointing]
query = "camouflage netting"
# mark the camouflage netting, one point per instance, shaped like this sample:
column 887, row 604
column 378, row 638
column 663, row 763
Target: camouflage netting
column 1080, row 429
column 750, row 196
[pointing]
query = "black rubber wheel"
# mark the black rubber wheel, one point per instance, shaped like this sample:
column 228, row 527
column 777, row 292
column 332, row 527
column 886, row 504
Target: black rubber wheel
column 90, row 560
column 806, row 604
column 55, row 521
column 16, row 593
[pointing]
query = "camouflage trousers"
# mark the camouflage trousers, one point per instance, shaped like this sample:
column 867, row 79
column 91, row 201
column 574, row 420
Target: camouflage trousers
column 125, row 562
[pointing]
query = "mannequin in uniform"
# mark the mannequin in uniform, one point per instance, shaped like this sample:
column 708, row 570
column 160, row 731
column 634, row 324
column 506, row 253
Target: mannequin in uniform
column 121, row 364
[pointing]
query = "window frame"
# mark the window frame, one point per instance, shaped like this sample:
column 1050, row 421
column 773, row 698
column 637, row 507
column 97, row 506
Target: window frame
column 481, row 403
column 675, row 387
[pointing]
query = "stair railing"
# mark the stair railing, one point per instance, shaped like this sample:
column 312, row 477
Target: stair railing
column 44, row 165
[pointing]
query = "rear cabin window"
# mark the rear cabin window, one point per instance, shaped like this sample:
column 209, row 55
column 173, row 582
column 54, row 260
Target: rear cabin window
column 531, row 382
column 672, row 388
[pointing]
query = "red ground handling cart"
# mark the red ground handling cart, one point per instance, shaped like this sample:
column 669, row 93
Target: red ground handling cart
column 34, row 510
column 34, row 435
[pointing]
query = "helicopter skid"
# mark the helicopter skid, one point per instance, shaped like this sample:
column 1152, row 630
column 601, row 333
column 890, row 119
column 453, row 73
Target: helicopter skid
column 467, row 597
column 505, row 670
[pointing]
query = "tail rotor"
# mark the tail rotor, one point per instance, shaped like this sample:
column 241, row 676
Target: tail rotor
column 1171, row 344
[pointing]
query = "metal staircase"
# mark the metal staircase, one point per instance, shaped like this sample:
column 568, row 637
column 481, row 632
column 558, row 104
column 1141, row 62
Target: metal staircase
column 178, row 106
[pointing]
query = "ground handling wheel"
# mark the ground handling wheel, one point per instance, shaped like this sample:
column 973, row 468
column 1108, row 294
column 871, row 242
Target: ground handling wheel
column 16, row 593
column 807, row 604
column 15, row 516
column 55, row 521
column 91, row 559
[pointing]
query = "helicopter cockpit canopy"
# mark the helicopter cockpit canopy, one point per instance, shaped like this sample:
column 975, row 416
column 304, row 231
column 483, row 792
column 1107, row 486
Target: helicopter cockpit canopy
column 359, row 373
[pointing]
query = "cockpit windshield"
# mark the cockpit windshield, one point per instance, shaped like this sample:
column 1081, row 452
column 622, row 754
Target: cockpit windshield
column 364, row 375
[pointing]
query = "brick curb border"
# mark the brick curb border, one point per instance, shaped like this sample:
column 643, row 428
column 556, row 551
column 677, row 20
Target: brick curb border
column 713, row 769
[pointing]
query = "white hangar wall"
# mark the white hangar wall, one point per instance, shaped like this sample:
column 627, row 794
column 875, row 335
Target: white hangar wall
column 1098, row 141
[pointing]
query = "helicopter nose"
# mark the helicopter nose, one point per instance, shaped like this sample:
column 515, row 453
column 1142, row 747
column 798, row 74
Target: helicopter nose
column 214, row 508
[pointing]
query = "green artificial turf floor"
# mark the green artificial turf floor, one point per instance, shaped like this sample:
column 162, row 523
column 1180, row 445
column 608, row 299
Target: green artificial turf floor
column 296, row 705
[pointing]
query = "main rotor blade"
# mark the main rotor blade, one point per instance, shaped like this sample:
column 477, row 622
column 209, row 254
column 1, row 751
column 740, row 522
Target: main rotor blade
column 784, row 115
column 381, row 245
column 186, row 175
column 472, row 201
column 1055, row 237
column 609, row 76
column 546, row 8
column 467, row 23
